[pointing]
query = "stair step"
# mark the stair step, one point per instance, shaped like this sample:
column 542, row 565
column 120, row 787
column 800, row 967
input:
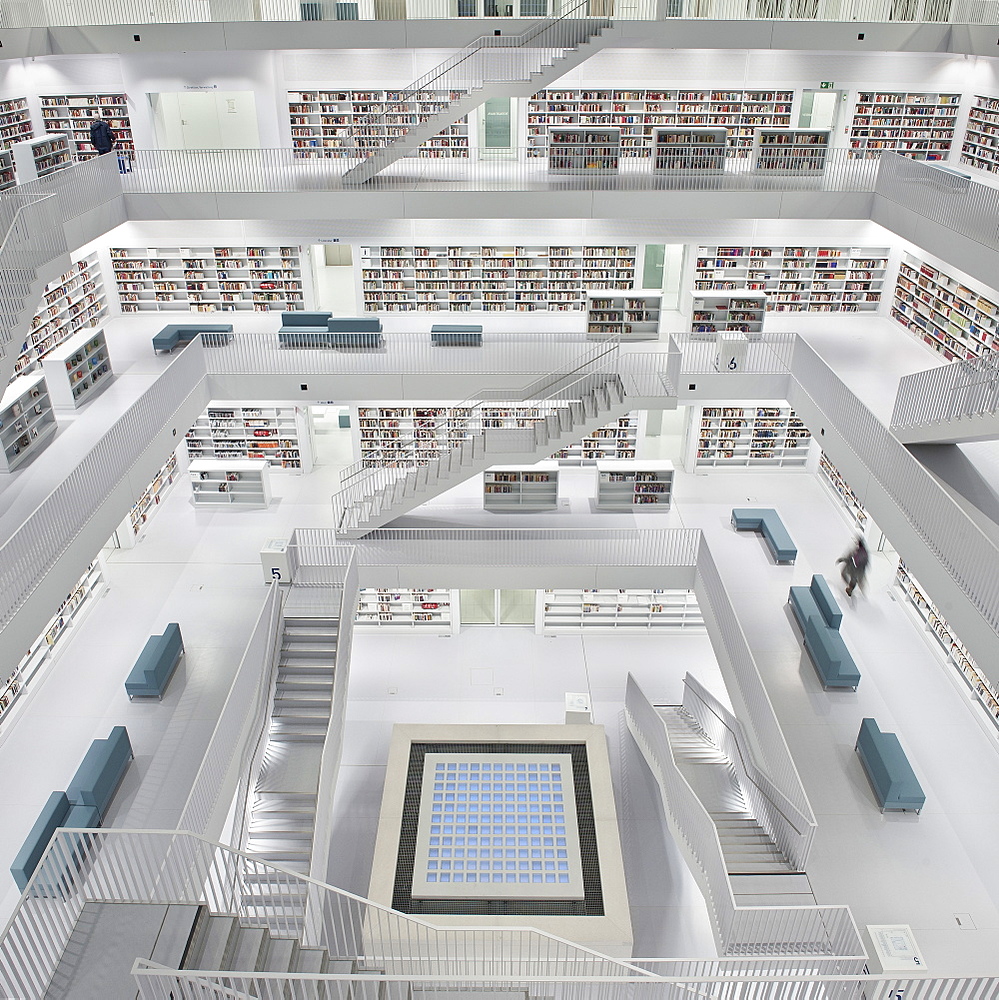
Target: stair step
column 249, row 948
column 309, row 960
column 210, row 948
column 748, row 867
column 280, row 955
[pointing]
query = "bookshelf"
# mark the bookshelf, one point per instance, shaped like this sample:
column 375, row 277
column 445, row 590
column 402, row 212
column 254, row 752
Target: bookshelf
column 749, row 436
column 78, row 369
column 942, row 311
column 491, row 278
column 797, row 278
column 832, row 477
column 208, row 278
column 72, row 609
column 630, row 316
column 515, row 487
column 74, row 301
column 135, row 521
column 920, row 125
column 277, row 432
column 34, row 158
column 74, row 114
column 27, row 423
column 615, row 440
column 624, row 485
column 980, row 147
column 230, row 482
column 15, row 121
column 8, row 175
column 955, row 653
column 583, row 150
column 739, row 312
column 791, row 150
column 636, row 113
column 700, row 150
column 428, row 611
column 337, row 123
column 618, row 611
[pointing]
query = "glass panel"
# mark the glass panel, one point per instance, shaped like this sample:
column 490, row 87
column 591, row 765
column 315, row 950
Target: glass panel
column 516, row 607
column 478, row 607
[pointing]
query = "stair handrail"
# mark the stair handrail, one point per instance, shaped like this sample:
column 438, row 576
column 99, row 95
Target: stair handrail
column 964, row 388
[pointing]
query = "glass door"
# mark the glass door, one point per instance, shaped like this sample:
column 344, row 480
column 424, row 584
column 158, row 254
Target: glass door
column 498, row 607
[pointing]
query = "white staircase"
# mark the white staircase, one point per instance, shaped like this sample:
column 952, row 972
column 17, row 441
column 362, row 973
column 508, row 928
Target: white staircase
column 493, row 66
column 746, row 847
column 375, row 496
column 283, row 810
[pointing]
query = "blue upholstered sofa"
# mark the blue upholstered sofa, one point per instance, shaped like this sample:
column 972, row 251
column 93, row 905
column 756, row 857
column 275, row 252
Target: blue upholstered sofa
column 340, row 331
column 819, row 615
column 451, row 335
column 156, row 664
column 888, row 769
column 767, row 521
column 215, row 335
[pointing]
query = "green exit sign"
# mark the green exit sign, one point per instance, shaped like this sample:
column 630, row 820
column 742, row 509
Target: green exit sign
column 826, row 85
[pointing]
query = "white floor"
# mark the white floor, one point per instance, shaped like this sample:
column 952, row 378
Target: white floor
column 202, row 568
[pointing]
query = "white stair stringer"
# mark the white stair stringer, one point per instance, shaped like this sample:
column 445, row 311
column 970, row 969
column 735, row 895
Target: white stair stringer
column 515, row 69
column 746, row 846
column 282, row 816
column 407, row 488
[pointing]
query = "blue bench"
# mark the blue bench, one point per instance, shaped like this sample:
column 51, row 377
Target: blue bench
column 156, row 664
column 354, row 324
column 298, row 322
column 58, row 811
column 215, row 335
column 449, row 335
column 341, row 331
column 888, row 769
column 101, row 770
column 767, row 521
column 820, row 616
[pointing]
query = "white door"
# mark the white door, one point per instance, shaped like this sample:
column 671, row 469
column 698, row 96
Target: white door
column 205, row 119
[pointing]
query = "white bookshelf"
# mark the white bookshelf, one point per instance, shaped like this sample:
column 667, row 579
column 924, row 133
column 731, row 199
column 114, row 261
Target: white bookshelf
column 208, row 278
column 72, row 302
column 955, row 653
column 590, row 149
column 518, row 487
column 980, row 147
column 630, row 315
column 8, row 175
column 27, row 423
column 697, row 150
column 797, row 278
column 736, row 312
column 637, row 112
column 337, row 123
column 430, row 611
column 625, row 485
column 943, row 312
column 919, row 125
column 491, row 278
column 833, row 478
column 75, row 113
column 280, row 433
column 230, row 482
column 34, row 158
column 76, row 604
column 618, row 611
column 791, row 151
column 15, row 121
column 618, row 439
column 145, row 506
column 750, row 436
column 78, row 369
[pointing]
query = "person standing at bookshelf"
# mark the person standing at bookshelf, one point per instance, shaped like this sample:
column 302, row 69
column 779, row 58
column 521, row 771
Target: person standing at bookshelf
column 855, row 564
column 101, row 136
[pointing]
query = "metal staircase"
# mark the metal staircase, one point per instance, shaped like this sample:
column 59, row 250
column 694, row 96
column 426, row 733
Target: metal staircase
column 490, row 67
column 283, row 811
column 568, row 408
column 746, row 847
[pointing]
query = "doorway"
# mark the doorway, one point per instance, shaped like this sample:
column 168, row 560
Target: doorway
column 498, row 607
column 819, row 108
column 205, row 119
column 333, row 278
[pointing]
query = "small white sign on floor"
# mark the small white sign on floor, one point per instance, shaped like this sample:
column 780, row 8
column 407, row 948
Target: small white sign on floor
column 895, row 948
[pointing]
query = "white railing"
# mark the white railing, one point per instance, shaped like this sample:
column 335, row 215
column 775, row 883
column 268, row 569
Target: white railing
column 765, row 930
column 225, row 772
column 744, row 682
column 958, row 391
column 310, row 169
column 790, row 829
column 175, row 867
column 769, row 354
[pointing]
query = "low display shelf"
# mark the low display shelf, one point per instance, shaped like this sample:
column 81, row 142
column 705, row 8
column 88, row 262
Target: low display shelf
column 617, row 439
column 699, row 150
column 591, row 150
column 618, row 611
column 628, row 315
column 243, row 483
column 78, row 369
column 276, row 431
column 624, row 485
column 34, row 158
column 405, row 609
column 791, row 151
column 741, row 312
column 27, row 423
column 516, row 487
column 143, row 508
column 955, row 653
column 760, row 436
column 8, row 178
column 839, row 486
